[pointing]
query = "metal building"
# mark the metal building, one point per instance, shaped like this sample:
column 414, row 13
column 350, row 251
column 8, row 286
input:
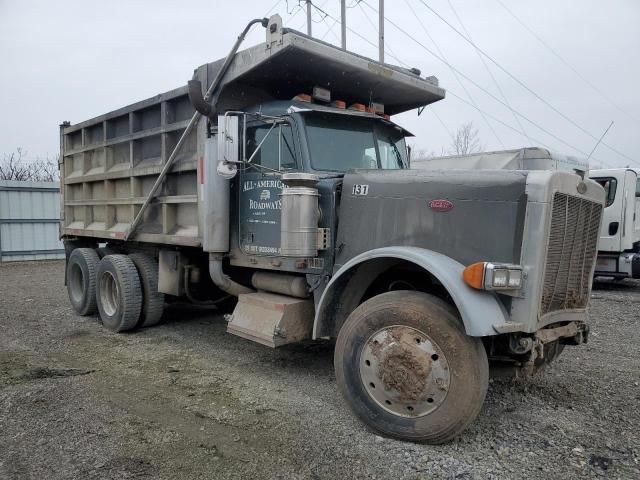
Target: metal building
column 29, row 220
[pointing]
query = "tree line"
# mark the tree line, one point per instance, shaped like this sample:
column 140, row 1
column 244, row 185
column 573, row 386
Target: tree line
column 464, row 141
column 18, row 166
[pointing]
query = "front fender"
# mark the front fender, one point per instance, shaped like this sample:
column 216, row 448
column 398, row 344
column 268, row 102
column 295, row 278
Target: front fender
column 479, row 310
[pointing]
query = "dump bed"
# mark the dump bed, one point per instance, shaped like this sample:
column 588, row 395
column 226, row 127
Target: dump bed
column 532, row 158
column 110, row 163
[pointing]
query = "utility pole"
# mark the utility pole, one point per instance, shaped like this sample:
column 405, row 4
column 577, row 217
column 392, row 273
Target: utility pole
column 343, row 18
column 309, row 17
column 381, row 31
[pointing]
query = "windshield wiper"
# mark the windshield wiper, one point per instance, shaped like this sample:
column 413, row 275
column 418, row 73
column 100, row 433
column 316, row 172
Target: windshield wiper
column 396, row 152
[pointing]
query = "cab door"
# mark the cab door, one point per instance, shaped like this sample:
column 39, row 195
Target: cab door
column 272, row 150
column 612, row 217
column 629, row 210
column 636, row 214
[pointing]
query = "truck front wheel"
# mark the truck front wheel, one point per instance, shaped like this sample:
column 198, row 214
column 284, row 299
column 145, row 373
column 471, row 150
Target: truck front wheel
column 407, row 368
column 118, row 293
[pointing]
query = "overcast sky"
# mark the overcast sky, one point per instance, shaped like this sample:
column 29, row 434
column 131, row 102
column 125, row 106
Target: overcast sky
column 75, row 59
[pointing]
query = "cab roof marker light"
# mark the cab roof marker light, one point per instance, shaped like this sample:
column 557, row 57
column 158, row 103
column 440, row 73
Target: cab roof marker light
column 321, row 94
column 360, row 107
column 377, row 108
column 339, row 104
column 303, row 97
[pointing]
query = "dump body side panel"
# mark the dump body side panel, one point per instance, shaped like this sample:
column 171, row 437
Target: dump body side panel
column 110, row 163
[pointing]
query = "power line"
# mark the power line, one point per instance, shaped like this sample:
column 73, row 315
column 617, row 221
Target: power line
column 435, row 44
column 294, row 11
column 272, row 8
column 493, row 78
column 563, row 60
column 467, row 78
column 443, row 124
column 357, row 34
column 532, row 138
column 522, row 84
column 375, row 29
column 330, row 29
column 319, row 9
column 476, row 85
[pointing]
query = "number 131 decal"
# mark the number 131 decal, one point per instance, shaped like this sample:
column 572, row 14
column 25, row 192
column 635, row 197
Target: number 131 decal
column 360, row 190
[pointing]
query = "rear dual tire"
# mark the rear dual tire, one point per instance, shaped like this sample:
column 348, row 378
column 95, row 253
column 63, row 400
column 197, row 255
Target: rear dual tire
column 81, row 280
column 118, row 293
column 152, row 299
column 122, row 289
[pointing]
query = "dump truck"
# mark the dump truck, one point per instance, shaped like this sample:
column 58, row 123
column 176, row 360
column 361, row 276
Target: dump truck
column 277, row 177
column 619, row 243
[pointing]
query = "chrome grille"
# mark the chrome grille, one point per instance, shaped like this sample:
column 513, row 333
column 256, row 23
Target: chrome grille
column 575, row 224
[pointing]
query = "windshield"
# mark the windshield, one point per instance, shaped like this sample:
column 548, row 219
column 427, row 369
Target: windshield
column 341, row 143
column 609, row 184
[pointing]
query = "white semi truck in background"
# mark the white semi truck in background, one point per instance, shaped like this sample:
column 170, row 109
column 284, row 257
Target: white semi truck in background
column 619, row 243
column 277, row 176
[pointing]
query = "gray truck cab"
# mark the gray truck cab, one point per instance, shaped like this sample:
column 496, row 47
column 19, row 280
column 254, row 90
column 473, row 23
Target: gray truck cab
column 291, row 189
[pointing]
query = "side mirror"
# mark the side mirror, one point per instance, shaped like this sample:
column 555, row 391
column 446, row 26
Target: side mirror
column 408, row 156
column 228, row 145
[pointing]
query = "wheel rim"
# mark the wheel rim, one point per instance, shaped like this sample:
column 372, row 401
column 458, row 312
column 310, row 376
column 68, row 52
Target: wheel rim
column 76, row 282
column 404, row 371
column 109, row 293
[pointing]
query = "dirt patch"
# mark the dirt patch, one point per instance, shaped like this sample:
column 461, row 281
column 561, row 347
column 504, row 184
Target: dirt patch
column 186, row 400
column 405, row 371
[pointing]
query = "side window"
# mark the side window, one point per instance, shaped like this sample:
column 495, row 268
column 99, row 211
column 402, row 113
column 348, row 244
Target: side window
column 610, row 185
column 287, row 149
column 277, row 151
column 369, row 158
column 390, row 156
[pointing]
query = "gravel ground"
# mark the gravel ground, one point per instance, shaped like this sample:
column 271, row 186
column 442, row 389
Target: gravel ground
column 185, row 400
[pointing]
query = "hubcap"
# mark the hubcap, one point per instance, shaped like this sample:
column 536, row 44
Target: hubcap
column 109, row 293
column 404, row 371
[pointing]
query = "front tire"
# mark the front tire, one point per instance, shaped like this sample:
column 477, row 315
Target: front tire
column 118, row 293
column 407, row 368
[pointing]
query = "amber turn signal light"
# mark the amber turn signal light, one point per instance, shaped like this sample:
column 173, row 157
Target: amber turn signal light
column 473, row 275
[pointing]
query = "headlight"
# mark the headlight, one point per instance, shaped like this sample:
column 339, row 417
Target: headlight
column 492, row 276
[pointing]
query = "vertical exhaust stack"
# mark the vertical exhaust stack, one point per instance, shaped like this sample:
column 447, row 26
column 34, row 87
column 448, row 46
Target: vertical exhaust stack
column 217, row 198
column 300, row 215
